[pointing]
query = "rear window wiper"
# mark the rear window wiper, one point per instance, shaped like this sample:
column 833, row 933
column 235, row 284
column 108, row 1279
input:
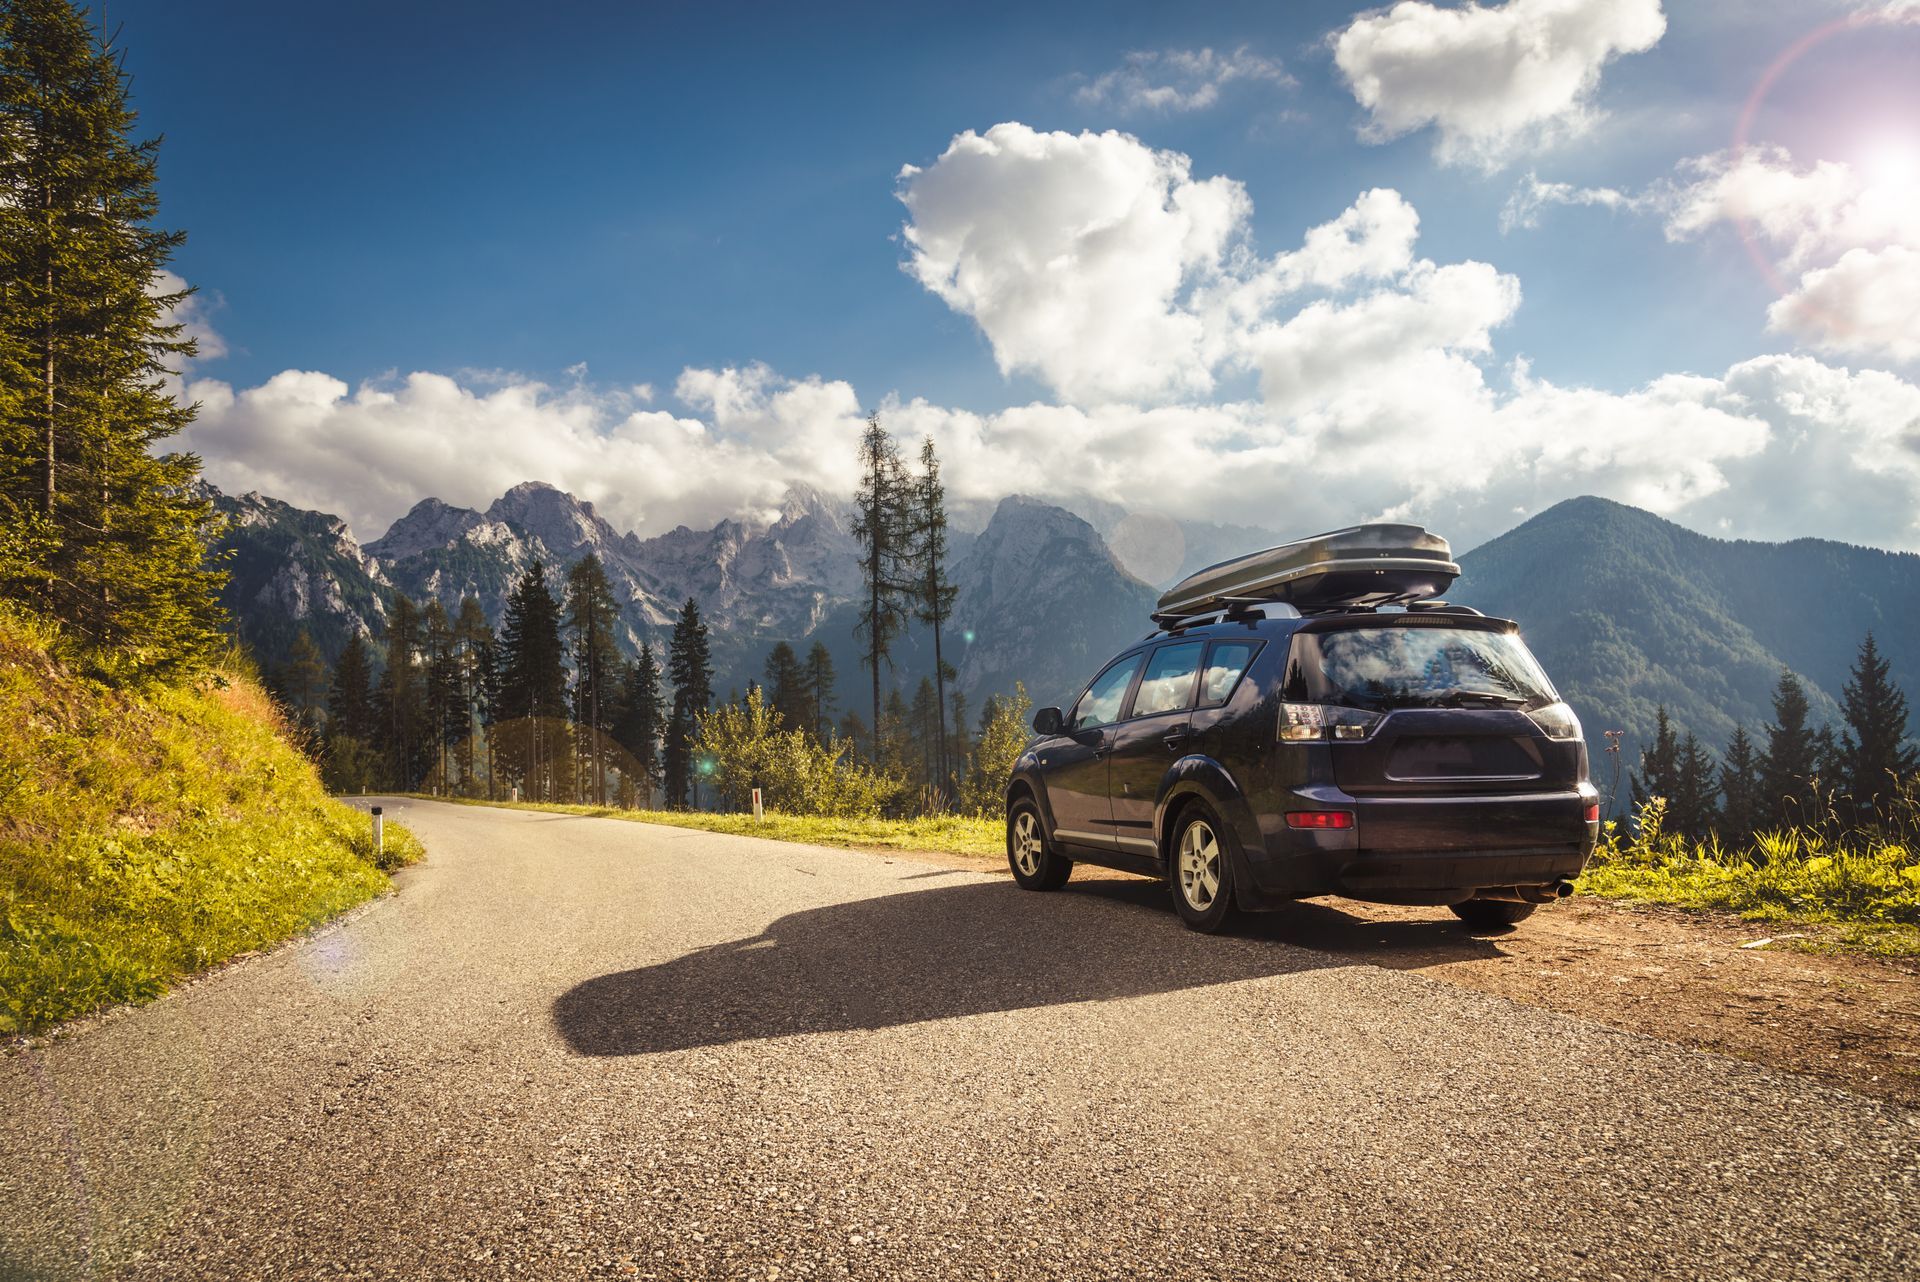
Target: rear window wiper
column 1467, row 698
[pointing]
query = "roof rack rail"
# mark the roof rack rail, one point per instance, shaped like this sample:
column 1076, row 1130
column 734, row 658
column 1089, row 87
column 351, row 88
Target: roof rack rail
column 1234, row 609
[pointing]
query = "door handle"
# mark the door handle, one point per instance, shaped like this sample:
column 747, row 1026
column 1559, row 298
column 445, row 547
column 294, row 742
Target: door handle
column 1174, row 738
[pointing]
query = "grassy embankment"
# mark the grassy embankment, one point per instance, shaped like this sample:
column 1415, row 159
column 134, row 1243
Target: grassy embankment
column 1862, row 895
column 147, row 835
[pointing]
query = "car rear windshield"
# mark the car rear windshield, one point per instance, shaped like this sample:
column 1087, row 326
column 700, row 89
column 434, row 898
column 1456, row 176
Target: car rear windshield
column 1380, row 668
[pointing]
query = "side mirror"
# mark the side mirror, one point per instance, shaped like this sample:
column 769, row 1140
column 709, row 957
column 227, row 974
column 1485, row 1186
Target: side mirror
column 1048, row 721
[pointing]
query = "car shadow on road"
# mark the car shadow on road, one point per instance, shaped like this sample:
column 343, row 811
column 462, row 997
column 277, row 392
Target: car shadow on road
column 1352, row 936
column 932, row 953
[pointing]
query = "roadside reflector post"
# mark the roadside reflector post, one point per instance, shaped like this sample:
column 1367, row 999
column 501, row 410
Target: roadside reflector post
column 379, row 833
column 758, row 814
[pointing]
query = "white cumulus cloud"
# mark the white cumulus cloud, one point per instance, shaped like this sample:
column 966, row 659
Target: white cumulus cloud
column 1129, row 288
column 1494, row 81
column 1178, row 80
column 1852, row 240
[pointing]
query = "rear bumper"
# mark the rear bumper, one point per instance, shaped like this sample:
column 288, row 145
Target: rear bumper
column 1431, row 850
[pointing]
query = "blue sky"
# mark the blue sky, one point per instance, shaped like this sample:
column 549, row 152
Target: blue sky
column 373, row 191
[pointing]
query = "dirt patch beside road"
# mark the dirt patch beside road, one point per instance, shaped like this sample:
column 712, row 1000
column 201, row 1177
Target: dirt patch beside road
column 1684, row 977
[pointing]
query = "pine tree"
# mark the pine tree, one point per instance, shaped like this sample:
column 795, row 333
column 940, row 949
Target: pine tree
column 1691, row 813
column 350, row 697
column 117, row 554
column 820, row 678
column 303, row 680
column 637, row 728
column 1739, row 788
column 927, row 717
column 1874, row 753
column 1659, row 774
column 350, row 763
column 400, row 698
column 787, row 688
column 893, row 737
column 1790, row 760
column 593, row 617
column 691, row 671
column 881, row 526
column 474, row 644
column 532, row 685
column 935, row 594
column 444, row 691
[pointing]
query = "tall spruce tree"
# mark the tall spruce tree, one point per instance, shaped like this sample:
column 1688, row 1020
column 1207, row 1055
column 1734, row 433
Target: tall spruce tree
column 474, row 644
column 934, row 594
column 444, row 692
column 637, row 728
column 881, row 525
column 593, row 618
column 690, row 668
column 350, row 696
column 531, row 722
column 400, row 698
column 820, row 679
column 1691, row 813
column 1659, row 774
column 1790, row 759
column 116, row 551
column 1874, row 753
column 302, row 680
column 1739, row 788
column 787, row 687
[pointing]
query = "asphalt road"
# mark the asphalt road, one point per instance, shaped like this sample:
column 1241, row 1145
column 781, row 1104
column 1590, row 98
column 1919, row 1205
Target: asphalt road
column 574, row 1047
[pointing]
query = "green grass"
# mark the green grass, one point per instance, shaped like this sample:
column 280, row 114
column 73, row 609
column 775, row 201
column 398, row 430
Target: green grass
column 1859, row 895
column 948, row 834
column 148, row 835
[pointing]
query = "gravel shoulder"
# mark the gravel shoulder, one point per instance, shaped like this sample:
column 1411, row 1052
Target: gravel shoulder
column 1708, row 981
column 582, row 1048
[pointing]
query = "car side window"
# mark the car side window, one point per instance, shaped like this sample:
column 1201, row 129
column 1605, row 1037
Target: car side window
column 1226, row 662
column 1168, row 683
column 1100, row 705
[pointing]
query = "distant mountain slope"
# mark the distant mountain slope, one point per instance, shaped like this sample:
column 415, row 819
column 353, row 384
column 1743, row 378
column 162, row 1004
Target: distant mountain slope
column 1629, row 611
column 289, row 569
column 1045, row 602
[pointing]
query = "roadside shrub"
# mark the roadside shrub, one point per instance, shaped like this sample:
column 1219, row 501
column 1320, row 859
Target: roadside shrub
column 795, row 772
column 1800, row 873
column 1003, row 737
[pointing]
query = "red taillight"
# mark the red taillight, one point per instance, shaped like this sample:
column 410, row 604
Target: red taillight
column 1320, row 819
column 1593, row 813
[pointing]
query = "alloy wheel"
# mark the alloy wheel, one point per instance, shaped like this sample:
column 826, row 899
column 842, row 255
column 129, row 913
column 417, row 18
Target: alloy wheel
column 1199, row 866
column 1027, row 844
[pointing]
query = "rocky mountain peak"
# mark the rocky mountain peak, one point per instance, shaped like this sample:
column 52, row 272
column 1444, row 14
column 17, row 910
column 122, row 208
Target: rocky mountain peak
column 429, row 524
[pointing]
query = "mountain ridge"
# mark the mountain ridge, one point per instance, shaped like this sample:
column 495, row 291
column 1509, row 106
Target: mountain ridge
column 1626, row 609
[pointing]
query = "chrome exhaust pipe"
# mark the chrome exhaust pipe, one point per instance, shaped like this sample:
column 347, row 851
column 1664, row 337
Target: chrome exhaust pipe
column 1526, row 894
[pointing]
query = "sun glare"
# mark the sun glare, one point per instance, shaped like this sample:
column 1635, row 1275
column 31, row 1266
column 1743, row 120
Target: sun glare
column 1891, row 164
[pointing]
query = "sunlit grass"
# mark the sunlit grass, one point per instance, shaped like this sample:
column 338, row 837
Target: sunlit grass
column 945, row 834
column 145, row 836
column 1865, row 892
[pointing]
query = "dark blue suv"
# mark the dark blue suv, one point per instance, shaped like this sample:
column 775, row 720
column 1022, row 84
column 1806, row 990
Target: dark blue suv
column 1256, row 754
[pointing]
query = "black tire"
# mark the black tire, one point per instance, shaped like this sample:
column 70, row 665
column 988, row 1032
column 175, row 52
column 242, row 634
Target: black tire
column 1200, row 877
column 1036, row 864
column 1491, row 914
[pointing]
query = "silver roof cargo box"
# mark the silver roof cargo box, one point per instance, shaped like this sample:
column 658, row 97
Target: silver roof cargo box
column 1360, row 565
